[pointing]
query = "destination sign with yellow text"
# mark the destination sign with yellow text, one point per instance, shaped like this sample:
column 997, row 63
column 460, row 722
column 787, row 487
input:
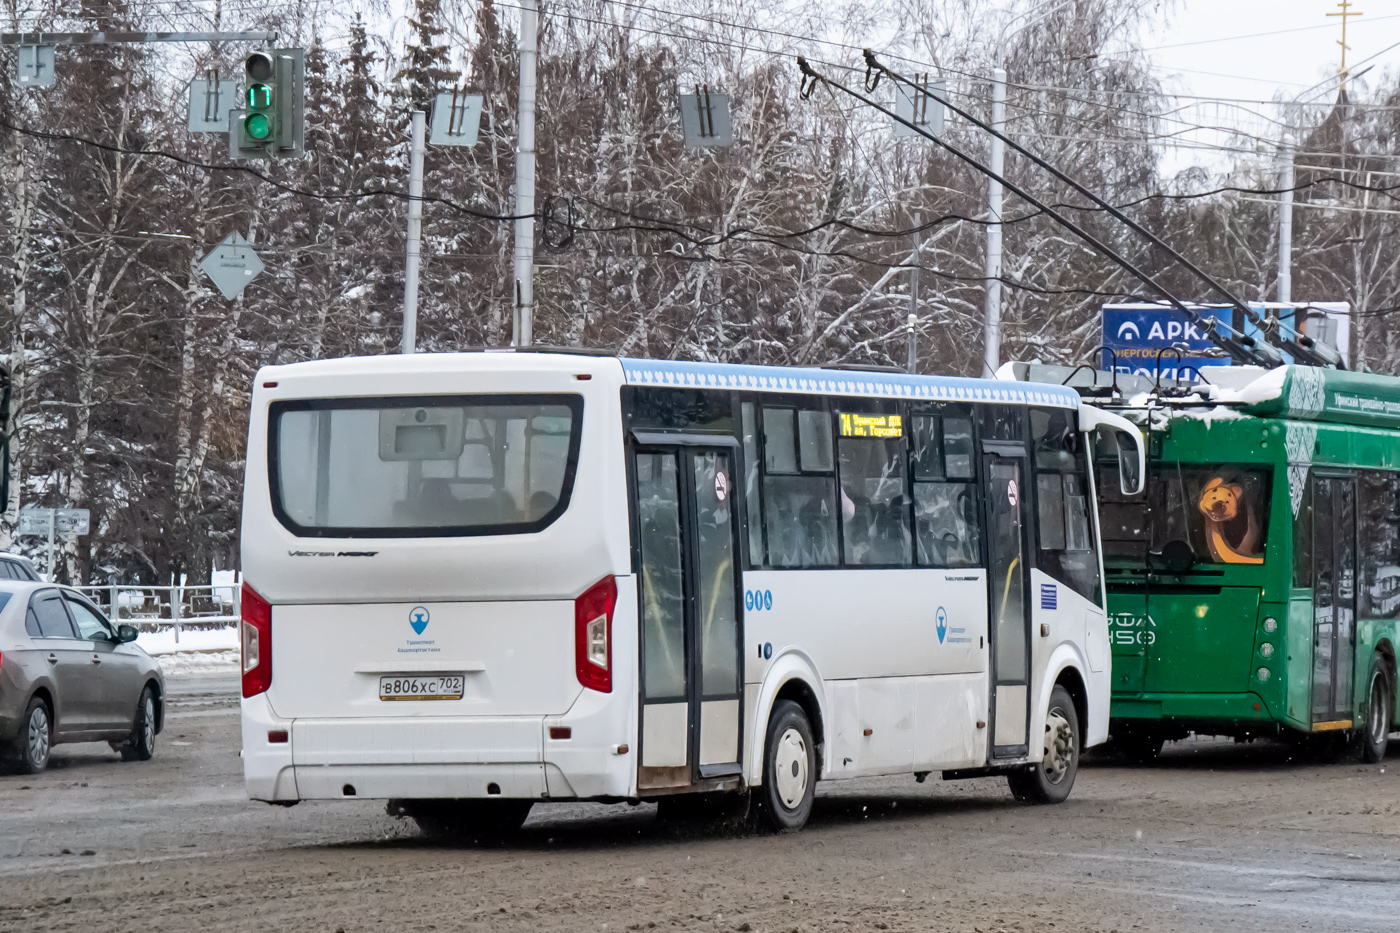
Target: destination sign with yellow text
column 853, row 425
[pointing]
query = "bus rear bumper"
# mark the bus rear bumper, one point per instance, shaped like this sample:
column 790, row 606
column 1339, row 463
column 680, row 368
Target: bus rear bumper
column 583, row 754
column 1193, row 707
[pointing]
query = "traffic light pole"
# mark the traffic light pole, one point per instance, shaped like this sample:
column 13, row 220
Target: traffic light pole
column 415, row 231
column 112, row 38
column 525, row 179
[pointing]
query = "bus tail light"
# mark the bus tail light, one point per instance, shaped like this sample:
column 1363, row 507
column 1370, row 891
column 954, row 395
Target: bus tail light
column 593, row 612
column 255, row 642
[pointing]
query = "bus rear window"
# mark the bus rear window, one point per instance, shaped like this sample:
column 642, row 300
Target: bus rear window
column 410, row 467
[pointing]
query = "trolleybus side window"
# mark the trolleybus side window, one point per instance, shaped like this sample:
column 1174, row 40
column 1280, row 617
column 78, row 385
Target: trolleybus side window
column 1303, row 538
column 1065, row 544
column 946, row 527
column 799, row 488
column 1379, row 514
column 874, row 498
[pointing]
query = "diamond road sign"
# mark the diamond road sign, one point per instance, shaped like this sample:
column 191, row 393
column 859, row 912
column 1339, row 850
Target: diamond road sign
column 34, row 521
column 232, row 265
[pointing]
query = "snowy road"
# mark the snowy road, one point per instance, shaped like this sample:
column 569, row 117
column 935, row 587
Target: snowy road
column 1214, row 837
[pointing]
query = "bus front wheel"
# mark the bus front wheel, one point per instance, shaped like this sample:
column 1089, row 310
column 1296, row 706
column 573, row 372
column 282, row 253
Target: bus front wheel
column 1052, row 778
column 789, row 769
column 1375, row 732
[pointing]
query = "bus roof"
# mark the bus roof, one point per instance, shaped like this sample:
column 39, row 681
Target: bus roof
column 811, row 381
column 680, row 374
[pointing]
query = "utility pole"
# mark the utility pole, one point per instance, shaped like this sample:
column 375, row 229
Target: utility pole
column 911, row 365
column 525, row 179
column 1285, row 225
column 991, row 343
column 415, row 234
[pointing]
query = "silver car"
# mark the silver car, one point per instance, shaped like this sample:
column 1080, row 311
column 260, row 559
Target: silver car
column 66, row 675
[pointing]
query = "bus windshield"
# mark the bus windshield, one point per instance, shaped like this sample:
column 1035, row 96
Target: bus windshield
column 1220, row 511
column 422, row 466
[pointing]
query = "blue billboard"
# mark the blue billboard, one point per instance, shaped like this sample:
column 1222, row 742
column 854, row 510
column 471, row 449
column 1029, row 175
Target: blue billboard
column 1141, row 338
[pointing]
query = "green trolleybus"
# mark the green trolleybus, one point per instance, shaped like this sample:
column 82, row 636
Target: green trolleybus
column 1254, row 586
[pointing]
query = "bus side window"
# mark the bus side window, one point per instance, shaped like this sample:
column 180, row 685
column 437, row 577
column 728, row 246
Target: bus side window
column 799, row 496
column 946, row 528
column 1065, row 546
column 752, row 498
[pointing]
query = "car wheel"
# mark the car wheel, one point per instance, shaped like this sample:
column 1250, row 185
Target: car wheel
column 1051, row 780
column 142, row 744
column 789, row 769
column 35, row 739
column 1375, row 732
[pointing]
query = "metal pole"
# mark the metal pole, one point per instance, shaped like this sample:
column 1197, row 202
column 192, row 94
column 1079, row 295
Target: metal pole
column 53, row 520
column 415, row 233
column 1285, row 226
column 110, row 38
column 991, row 344
column 911, row 364
column 525, row 179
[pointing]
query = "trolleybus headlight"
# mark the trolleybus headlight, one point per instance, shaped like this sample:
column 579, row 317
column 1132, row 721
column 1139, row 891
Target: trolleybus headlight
column 1266, row 650
column 1270, row 626
column 1263, row 674
column 593, row 612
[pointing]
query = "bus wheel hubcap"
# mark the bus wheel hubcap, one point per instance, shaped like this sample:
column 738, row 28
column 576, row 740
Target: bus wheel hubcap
column 790, row 768
column 39, row 736
column 1380, row 728
column 1059, row 746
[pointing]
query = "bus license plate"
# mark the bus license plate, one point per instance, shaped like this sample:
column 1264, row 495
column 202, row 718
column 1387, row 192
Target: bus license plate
column 425, row 687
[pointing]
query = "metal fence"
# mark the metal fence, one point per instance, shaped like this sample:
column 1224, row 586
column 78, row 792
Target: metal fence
column 161, row 608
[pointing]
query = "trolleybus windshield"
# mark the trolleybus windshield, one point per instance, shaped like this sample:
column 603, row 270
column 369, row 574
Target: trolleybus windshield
column 1220, row 511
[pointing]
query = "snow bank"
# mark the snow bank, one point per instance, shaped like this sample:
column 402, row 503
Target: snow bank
column 199, row 662
column 163, row 642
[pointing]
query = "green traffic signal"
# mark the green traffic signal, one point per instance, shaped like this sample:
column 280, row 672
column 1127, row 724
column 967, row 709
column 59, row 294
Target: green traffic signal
column 258, row 126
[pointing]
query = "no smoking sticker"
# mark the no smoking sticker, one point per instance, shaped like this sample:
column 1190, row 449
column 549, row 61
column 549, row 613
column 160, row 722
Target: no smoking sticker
column 721, row 487
column 1011, row 493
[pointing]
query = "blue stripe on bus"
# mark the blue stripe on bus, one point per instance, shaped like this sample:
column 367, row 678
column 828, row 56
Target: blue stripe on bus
column 843, row 382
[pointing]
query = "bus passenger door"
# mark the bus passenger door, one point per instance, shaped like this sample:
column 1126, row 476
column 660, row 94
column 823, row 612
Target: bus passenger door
column 1334, row 600
column 1009, row 615
column 691, row 641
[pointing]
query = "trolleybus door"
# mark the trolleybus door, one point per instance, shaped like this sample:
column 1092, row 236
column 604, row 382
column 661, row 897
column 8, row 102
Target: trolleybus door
column 1007, row 574
column 691, row 642
column 1334, row 600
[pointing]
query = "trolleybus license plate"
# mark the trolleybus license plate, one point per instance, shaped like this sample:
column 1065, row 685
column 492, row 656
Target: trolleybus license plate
column 422, row 687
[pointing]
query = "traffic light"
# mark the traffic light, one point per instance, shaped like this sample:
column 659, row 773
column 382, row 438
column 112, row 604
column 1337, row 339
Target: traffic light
column 259, row 94
column 270, row 123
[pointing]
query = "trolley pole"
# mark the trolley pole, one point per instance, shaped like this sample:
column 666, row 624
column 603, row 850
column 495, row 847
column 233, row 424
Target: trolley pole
column 415, row 235
column 525, row 179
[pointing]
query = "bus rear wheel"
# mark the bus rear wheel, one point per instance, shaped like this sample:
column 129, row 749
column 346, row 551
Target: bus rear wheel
column 789, row 769
column 1375, row 732
column 1051, row 780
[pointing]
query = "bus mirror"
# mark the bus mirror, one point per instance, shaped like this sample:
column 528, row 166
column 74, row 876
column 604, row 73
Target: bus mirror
column 1129, row 463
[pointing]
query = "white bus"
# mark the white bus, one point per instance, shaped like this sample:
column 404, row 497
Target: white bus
column 476, row 581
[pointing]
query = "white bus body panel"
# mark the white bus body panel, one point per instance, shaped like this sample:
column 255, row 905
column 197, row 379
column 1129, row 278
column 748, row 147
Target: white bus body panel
column 500, row 611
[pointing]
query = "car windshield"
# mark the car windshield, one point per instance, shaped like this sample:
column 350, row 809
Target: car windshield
column 423, row 466
column 1220, row 511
